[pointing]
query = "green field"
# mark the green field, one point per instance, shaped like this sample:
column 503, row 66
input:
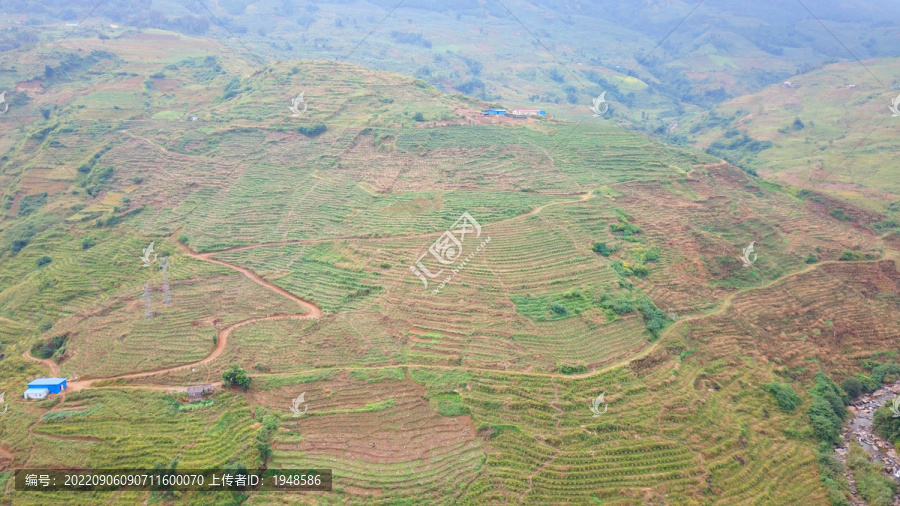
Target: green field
column 613, row 267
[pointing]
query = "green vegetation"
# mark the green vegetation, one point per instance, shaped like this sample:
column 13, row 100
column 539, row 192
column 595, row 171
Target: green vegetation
column 48, row 348
column 572, row 369
column 43, row 260
column 785, row 396
column 627, row 229
column 601, row 248
column 854, row 256
column 886, row 425
column 312, row 130
column 338, row 222
column 235, row 376
column 876, row 488
column 449, row 404
column 853, row 387
column 828, row 410
column 31, row 203
column 831, row 472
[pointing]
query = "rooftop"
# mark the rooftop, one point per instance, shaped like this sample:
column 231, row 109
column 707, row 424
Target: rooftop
column 46, row 381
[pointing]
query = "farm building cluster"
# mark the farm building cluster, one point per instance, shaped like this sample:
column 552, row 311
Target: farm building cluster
column 42, row 387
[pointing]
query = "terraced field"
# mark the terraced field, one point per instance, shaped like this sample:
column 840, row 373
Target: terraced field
column 612, row 267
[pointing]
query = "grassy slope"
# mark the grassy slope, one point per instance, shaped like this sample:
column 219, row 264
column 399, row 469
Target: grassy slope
column 694, row 427
column 845, row 147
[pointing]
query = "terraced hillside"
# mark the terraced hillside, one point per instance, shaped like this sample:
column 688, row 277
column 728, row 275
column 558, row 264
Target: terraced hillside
column 603, row 262
column 831, row 130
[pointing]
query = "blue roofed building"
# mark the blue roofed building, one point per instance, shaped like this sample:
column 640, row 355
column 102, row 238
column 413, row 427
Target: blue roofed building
column 53, row 385
column 494, row 112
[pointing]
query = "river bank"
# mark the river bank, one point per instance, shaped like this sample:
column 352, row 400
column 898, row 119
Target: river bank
column 862, row 411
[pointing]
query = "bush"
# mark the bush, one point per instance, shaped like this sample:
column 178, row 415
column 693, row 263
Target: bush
column 183, row 238
column 640, row 270
column 851, row 256
column 312, row 130
column 852, row 386
column 828, row 409
column 418, row 116
column 602, row 248
column 46, row 349
column 236, row 376
column 785, row 396
column 572, row 369
column 88, row 243
column 626, row 228
column 558, row 308
column 811, row 259
column 876, row 488
column 43, row 260
column 832, row 475
column 880, row 371
column 654, row 317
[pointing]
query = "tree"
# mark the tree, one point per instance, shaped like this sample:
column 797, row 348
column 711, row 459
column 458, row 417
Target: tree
column 852, row 386
column 236, row 376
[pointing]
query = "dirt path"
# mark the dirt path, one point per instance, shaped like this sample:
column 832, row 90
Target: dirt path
column 312, row 312
column 49, row 364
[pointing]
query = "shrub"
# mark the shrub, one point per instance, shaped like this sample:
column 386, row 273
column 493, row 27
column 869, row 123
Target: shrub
column 236, row 376
column 876, row 488
column 418, row 116
column 572, row 369
column 18, row 244
column 558, row 308
column 654, row 317
column 811, row 259
column 827, row 411
column 640, row 270
column 31, row 203
column 852, row 386
column 183, row 238
column 88, row 243
column 312, row 130
column 46, row 349
column 886, row 425
column 602, row 248
column 785, row 396
column 880, row 371
column 851, row 256
column 839, row 213
column 626, row 228
column 43, row 260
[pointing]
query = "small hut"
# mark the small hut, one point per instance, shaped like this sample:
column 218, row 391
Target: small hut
column 196, row 392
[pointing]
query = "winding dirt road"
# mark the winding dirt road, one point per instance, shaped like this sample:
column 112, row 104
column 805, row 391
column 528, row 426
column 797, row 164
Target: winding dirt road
column 311, row 312
column 314, row 312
